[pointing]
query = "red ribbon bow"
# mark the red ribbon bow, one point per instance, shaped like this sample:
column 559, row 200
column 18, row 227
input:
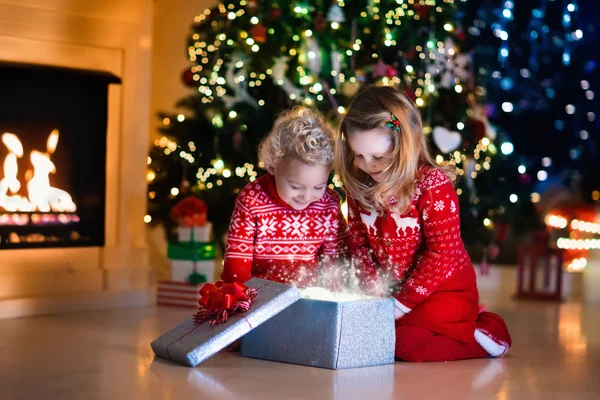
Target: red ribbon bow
column 221, row 299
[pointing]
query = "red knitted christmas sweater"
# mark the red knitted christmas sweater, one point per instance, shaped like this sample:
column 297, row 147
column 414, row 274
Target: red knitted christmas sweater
column 420, row 249
column 269, row 239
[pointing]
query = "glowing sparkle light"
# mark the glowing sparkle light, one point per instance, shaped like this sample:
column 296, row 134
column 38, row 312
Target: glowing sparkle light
column 507, row 148
column 507, row 107
column 584, row 135
column 522, row 169
column 570, row 108
column 546, row 161
column 147, row 219
column 514, row 198
column 219, row 164
column 181, row 118
column 542, row 175
column 174, row 191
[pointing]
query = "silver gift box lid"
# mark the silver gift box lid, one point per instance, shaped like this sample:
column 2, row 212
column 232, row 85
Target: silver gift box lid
column 190, row 344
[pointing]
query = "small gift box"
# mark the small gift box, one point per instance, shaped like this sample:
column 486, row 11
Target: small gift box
column 182, row 269
column 200, row 234
column 341, row 332
column 227, row 312
column 190, row 214
column 177, row 294
column 191, row 251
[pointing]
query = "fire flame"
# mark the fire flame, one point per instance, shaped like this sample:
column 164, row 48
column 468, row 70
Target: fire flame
column 41, row 195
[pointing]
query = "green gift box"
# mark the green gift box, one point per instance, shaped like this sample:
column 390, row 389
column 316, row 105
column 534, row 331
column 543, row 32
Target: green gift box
column 191, row 251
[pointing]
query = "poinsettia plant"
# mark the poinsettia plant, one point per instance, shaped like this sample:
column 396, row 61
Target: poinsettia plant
column 190, row 211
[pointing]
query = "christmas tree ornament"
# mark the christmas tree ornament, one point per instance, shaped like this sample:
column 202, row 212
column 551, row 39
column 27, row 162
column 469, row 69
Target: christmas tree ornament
column 446, row 140
column 379, row 69
column 259, row 33
column 187, row 77
column 274, row 14
column 449, row 64
column 336, row 14
column 320, row 22
column 279, row 78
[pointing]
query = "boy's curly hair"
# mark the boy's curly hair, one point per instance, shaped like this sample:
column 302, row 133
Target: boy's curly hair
column 299, row 133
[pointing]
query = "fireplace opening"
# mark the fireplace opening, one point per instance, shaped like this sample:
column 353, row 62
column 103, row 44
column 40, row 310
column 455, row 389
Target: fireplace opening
column 53, row 129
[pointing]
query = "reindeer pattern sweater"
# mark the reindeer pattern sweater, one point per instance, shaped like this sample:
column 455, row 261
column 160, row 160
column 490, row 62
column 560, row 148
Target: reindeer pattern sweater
column 269, row 239
column 420, row 249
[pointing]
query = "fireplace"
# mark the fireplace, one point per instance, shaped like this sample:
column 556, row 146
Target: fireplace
column 53, row 131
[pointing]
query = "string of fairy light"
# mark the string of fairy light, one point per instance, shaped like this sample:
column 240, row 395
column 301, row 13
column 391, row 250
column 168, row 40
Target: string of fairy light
column 209, row 65
column 218, row 81
column 579, row 240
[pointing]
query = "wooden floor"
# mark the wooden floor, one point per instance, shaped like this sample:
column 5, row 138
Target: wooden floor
column 107, row 355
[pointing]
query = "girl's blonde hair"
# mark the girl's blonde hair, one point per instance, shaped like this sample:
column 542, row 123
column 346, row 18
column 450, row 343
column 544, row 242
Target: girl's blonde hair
column 299, row 133
column 373, row 108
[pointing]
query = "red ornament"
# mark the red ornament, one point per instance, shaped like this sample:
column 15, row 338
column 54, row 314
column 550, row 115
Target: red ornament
column 391, row 72
column 275, row 13
column 187, row 77
column 422, row 11
column 259, row 33
column 320, row 23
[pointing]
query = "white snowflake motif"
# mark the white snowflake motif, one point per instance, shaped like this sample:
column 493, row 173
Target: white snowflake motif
column 421, row 290
column 452, row 206
column 438, row 205
column 425, row 216
column 322, row 224
column 296, row 225
column 267, row 226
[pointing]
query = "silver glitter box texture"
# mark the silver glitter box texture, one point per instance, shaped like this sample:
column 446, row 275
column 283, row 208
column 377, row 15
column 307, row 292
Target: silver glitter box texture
column 327, row 334
column 190, row 344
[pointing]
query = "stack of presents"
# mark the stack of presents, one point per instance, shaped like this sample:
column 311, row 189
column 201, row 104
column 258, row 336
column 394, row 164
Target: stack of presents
column 191, row 256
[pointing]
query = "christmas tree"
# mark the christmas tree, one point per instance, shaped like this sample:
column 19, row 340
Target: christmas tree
column 251, row 59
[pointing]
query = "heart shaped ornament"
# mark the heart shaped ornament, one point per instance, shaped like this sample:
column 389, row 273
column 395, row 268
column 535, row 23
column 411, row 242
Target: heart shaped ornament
column 446, row 140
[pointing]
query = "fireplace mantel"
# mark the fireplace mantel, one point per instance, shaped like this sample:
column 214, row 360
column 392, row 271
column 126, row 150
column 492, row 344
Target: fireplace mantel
column 110, row 36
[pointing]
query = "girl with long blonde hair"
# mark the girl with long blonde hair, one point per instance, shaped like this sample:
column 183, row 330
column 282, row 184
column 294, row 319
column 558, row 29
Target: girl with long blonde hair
column 405, row 232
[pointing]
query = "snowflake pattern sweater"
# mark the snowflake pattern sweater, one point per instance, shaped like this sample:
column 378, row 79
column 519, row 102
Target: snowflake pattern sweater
column 420, row 249
column 269, row 239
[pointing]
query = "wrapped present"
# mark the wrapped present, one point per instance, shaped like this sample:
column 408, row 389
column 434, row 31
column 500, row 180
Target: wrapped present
column 335, row 334
column 191, row 251
column 200, row 234
column 181, row 270
column 177, row 294
column 191, row 342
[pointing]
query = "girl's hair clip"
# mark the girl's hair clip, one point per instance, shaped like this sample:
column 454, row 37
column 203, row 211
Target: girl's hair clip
column 394, row 123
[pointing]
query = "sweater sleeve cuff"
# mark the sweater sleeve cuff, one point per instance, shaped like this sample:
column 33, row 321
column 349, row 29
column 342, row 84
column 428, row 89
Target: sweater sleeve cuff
column 399, row 307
